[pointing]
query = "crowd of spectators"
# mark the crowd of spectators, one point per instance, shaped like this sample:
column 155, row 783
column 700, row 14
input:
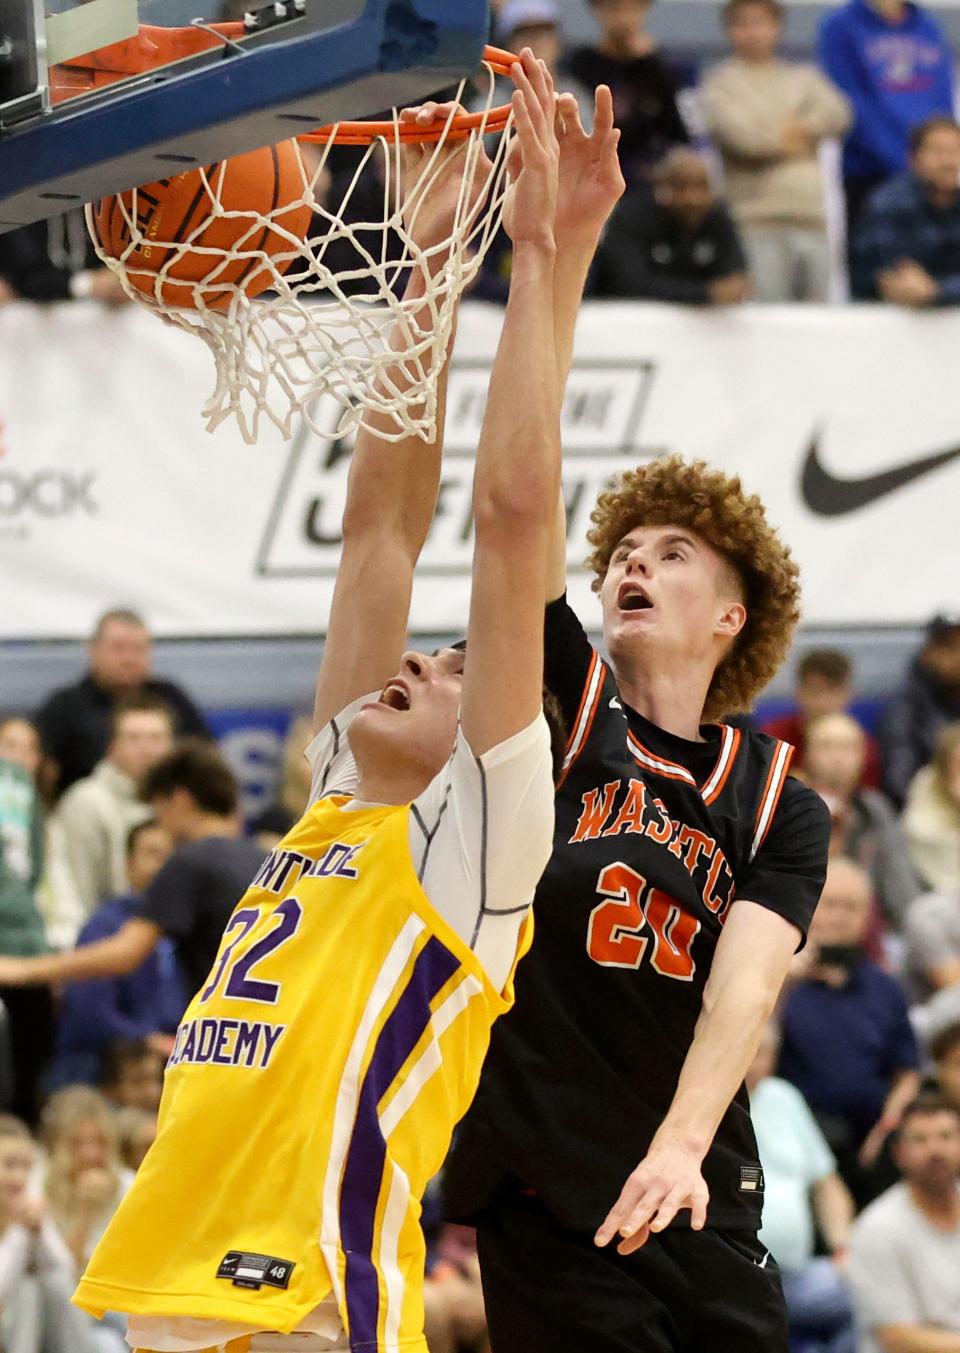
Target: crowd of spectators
column 120, row 830
column 122, row 845
column 728, row 178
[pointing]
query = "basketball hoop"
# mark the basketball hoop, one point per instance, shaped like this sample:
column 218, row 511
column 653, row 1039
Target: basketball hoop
column 303, row 297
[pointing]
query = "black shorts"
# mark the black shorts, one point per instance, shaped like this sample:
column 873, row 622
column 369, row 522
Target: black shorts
column 550, row 1290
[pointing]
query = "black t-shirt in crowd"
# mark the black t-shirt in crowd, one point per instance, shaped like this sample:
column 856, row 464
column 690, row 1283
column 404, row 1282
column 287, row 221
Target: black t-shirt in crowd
column 645, row 109
column 655, row 838
column 194, row 895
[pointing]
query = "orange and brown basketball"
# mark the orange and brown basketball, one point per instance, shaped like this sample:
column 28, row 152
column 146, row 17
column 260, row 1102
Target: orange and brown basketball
column 183, row 222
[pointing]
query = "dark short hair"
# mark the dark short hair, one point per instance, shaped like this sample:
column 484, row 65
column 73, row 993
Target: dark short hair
column 926, row 1104
column 922, row 130
column 828, row 663
column 198, row 768
column 123, row 615
column 120, row 1054
column 732, row 6
column 945, row 1042
column 137, row 830
column 139, row 704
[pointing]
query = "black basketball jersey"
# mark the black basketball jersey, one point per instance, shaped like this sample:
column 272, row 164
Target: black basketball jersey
column 655, row 838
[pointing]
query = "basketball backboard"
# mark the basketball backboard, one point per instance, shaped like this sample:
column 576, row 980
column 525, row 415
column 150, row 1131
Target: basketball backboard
column 99, row 96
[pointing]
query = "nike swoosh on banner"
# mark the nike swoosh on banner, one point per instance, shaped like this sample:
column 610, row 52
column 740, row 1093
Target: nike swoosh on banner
column 830, row 496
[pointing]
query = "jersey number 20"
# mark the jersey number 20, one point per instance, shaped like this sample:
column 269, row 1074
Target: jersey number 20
column 614, row 935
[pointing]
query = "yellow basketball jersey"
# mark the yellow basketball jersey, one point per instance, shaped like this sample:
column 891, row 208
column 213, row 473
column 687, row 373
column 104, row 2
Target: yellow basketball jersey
column 311, row 1094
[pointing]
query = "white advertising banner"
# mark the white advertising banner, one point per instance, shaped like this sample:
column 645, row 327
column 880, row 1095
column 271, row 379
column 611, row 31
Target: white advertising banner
column 845, row 420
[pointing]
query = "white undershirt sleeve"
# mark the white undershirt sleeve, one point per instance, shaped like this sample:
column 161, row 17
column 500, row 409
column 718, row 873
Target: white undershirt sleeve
column 481, row 833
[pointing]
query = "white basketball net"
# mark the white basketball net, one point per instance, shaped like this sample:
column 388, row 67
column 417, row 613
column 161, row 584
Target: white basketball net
column 279, row 353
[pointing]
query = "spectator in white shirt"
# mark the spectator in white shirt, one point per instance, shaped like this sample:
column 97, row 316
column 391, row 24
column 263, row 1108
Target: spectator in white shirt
column 97, row 813
column 905, row 1248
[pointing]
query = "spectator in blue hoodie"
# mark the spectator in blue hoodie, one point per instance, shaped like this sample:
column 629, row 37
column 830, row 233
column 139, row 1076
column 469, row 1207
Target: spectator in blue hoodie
column 906, row 246
column 145, row 1003
column 891, row 59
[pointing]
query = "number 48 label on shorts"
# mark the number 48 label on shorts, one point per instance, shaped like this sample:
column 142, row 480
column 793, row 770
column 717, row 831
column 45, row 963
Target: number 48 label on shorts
column 254, row 1270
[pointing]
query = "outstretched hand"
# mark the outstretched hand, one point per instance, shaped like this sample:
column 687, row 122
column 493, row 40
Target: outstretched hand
column 534, row 162
column 591, row 182
column 667, row 1181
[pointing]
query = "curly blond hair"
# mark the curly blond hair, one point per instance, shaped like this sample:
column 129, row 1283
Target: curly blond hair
column 676, row 492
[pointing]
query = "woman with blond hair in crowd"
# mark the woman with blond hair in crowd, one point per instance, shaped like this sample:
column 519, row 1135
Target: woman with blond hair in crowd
column 931, row 816
column 84, row 1183
column 37, row 1271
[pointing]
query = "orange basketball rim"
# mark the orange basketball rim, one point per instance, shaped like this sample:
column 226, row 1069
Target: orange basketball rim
column 153, row 47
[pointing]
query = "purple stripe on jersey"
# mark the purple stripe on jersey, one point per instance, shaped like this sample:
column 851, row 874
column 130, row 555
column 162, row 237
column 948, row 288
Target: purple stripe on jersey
column 363, row 1174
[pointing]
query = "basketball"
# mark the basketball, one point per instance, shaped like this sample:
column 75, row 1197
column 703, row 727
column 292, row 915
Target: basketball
column 210, row 228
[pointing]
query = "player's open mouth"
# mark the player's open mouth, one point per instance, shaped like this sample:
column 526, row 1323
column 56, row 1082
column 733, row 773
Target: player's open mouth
column 396, row 695
column 633, row 598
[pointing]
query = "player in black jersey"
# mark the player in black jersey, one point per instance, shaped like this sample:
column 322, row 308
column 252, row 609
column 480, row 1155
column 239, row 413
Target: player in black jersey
column 686, row 868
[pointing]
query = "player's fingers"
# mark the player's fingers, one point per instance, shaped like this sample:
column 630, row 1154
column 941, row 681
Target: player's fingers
column 634, row 1242
column 568, row 115
column 669, row 1208
column 525, row 109
column 602, row 111
column 423, row 114
column 526, row 141
column 611, row 1223
column 644, row 1209
column 531, row 103
column 542, row 83
column 639, row 1199
column 698, row 1213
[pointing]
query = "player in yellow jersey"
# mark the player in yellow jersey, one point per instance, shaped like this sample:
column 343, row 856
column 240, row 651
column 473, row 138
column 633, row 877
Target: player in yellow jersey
column 319, row 1072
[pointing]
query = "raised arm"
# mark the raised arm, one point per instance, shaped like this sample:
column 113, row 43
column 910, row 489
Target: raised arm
column 590, row 185
column 392, row 487
column 517, row 474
